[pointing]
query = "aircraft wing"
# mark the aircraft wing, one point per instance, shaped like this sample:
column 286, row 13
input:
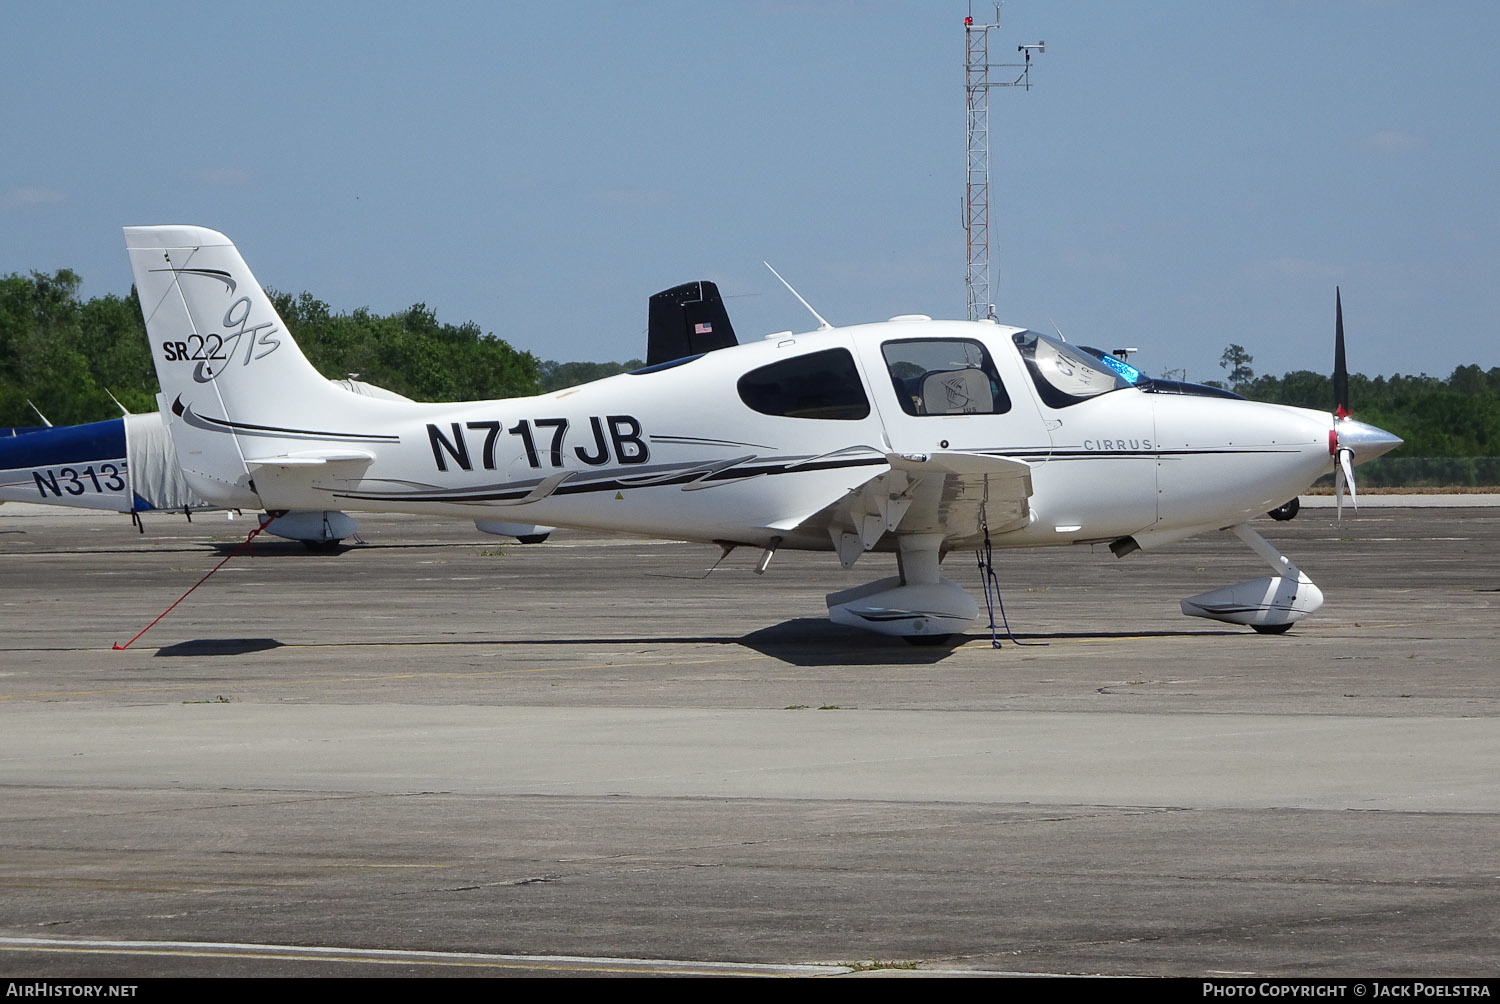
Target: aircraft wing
column 954, row 494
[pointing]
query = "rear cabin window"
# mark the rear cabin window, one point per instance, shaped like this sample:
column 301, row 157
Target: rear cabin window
column 818, row 385
column 945, row 376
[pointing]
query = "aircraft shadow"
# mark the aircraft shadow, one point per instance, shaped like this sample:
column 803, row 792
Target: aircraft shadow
column 277, row 548
column 813, row 641
column 219, row 646
column 817, row 642
column 799, row 642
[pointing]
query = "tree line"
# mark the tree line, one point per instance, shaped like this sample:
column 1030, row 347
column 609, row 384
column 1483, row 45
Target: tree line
column 67, row 355
column 1451, row 426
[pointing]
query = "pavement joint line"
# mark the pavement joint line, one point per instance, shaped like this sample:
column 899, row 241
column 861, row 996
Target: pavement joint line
column 384, row 956
column 304, row 682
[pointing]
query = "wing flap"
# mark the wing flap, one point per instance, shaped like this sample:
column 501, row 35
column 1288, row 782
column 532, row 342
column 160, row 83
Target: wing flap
column 955, row 494
column 961, row 495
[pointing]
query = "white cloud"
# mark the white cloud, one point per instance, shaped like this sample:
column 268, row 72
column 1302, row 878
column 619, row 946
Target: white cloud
column 1392, row 141
column 24, row 198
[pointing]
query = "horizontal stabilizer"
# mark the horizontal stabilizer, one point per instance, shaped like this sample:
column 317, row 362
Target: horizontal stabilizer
column 313, row 458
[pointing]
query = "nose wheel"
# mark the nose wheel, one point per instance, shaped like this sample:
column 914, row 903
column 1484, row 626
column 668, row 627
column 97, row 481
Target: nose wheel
column 1270, row 605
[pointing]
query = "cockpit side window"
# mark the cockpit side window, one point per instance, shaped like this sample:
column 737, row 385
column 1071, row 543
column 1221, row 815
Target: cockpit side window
column 822, row 385
column 1063, row 374
column 945, row 376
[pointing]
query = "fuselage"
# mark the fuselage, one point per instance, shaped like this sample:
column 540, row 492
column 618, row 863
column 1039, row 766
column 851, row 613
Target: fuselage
column 83, row 466
column 749, row 443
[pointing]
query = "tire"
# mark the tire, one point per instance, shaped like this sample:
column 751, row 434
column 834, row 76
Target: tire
column 1287, row 511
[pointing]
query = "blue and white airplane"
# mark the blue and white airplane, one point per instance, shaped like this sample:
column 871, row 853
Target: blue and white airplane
column 120, row 465
column 912, row 436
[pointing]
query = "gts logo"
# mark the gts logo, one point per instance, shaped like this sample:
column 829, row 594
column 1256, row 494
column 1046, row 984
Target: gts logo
column 212, row 352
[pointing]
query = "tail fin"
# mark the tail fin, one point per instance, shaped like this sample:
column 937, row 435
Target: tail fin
column 235, row 386
column 686, row 320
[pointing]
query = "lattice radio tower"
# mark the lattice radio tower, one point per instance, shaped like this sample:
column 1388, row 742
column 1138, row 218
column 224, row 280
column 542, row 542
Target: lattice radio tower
column 977, row 86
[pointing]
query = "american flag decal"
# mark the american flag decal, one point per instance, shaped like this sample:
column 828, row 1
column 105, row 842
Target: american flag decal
column 703, row 328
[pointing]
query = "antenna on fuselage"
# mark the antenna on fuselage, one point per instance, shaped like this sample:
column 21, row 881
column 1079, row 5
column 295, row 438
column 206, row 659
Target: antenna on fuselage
column 822, row 324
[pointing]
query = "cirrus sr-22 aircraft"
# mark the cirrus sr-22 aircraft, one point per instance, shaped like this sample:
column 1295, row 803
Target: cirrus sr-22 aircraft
column 914, row 436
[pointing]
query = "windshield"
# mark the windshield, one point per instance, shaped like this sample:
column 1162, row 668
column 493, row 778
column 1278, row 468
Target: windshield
column 1065, row 375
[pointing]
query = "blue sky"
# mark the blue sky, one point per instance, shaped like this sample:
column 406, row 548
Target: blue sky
column 1182, row 175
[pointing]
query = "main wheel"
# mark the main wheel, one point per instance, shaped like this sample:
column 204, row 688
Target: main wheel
column 1286, row 511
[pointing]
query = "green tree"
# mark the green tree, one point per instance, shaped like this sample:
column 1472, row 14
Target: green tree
column 556, row 376
column 1236, row 361
column 62, row 354
column 67, row 355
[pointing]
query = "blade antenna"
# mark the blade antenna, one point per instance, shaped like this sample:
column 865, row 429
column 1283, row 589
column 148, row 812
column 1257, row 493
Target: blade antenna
column 822, row 324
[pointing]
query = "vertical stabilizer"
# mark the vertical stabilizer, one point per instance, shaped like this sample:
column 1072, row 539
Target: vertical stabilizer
column 686, row 320
column 235, row 386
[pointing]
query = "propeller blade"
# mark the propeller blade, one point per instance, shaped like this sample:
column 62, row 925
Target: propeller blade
column 1343, row 476
column 1346, row 465
column 1338, row 491
column 1340, row 368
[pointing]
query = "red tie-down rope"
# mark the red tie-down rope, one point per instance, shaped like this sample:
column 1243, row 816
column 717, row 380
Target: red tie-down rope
column 239, row 550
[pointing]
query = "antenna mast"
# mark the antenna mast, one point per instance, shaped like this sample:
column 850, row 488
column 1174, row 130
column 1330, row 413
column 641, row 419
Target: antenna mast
column 977, row 86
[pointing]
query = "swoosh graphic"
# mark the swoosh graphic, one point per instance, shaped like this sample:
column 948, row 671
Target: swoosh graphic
column 211, row 273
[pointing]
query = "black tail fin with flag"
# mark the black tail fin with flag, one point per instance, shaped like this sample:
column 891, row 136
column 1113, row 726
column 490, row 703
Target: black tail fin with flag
column 687, row 320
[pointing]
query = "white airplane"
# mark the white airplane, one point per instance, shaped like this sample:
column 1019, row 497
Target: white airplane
column 912, row 435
